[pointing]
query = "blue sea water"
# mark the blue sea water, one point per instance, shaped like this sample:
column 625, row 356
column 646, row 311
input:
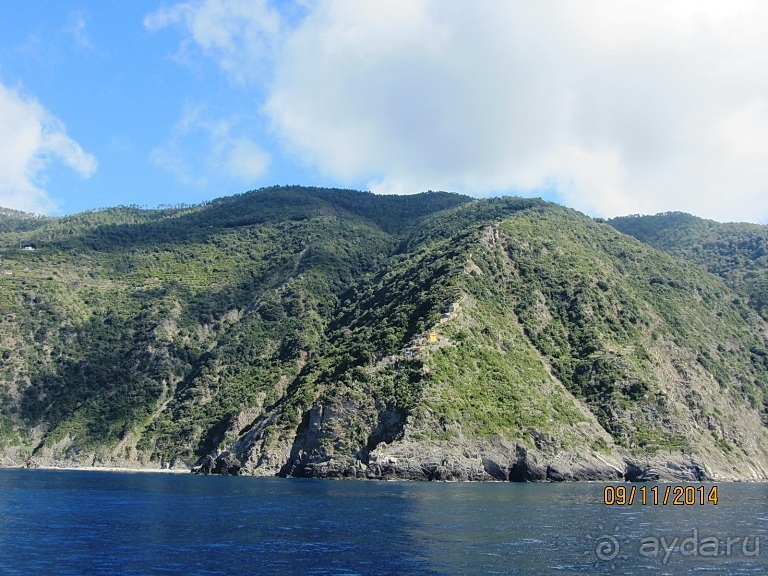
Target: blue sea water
column 74, row 522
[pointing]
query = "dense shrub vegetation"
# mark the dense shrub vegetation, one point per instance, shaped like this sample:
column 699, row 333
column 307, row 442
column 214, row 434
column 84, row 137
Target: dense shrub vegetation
column 169, row 332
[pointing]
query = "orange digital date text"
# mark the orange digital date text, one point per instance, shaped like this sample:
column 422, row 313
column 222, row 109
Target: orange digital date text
column 660, row 495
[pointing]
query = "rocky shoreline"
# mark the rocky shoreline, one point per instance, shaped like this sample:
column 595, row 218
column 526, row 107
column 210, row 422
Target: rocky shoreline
column 472, row 462
column 228, row 465
column 528, row 467
column 33, row 464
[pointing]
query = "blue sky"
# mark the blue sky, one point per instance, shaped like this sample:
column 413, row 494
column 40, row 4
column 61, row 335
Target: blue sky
column 128, row 99
column 608, row 107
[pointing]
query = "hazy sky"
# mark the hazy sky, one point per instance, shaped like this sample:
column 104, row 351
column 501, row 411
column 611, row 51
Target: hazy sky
column 611, row 107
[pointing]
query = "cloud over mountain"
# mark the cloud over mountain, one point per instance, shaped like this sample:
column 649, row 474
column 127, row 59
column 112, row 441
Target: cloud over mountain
column 618, row 107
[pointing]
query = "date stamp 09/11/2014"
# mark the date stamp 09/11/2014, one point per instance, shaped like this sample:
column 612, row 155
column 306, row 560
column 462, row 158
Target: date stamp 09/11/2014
column 674, row 495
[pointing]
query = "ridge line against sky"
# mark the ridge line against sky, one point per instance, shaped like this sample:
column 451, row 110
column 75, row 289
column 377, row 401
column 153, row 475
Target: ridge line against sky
column 608, row 107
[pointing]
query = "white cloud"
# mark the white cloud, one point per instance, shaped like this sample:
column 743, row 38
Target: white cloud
column 200, row 146
column 245, row 159
column 632, row 106
column 30, row 138
column 238, row 34
column 76, row 29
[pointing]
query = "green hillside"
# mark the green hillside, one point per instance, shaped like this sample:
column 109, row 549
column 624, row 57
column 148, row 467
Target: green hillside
column 737, row 252
column 289, row 329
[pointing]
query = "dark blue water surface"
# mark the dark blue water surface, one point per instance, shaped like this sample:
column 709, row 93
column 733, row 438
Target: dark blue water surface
column 72, row 522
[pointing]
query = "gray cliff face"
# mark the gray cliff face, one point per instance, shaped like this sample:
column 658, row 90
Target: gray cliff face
column 314, row 453
column 472, row 460
column 490, row 460
column 493, row 460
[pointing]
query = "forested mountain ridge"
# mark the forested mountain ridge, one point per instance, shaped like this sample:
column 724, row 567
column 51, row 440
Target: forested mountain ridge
column 315, row 332
column 735, row 251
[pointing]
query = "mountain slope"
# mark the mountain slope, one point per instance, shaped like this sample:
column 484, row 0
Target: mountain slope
column 568, row 356
column 737, row 252
column 289, row 329
column 114, row 317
